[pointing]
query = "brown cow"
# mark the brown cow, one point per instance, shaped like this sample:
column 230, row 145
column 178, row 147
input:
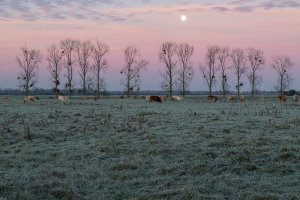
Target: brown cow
column 29, row 99
column 155, row 99
column 242, row 98
column 95, row 98
column 282, row 98
column 170, row 99
column 296, row 98
column 5, row 97
column 212, row 99
column 121, row 97
column 261, row 99
column 231, row 98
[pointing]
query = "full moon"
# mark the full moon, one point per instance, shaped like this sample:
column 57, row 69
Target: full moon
column 183, row 18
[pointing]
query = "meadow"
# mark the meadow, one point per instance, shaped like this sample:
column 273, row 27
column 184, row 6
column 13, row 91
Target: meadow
column 130, row 149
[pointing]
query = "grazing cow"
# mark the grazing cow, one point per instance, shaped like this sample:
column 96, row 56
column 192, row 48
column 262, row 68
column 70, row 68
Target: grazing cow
column 212, row 99
column 154, row 99
column 231, row 98
column 296, row 98
column 261, row 99
column 170, row 99
column 84, row 98
column 177, row 98
column 5, row 97
column 62, row 98
column 29, row 99
column 163, row 98
column 51, row 97
column 242, row 98
column 95, row 98
column 132, row 97
column 147, row 98
column 121, row 97
column 282, row 98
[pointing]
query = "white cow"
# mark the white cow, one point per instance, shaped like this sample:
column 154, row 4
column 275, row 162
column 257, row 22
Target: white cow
column 62, row 98
column 177, row 98
column 147, row 98
column 296, row 98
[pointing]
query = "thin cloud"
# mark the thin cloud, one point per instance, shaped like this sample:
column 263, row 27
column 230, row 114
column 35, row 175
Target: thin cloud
column 221, row 9
column 244, row 8
column 106, row 11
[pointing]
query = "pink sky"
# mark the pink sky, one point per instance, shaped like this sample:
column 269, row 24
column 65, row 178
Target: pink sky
column 275, row 30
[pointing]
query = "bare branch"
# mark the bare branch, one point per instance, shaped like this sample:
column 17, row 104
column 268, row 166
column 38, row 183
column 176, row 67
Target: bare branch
column 166, row 53
column 209, row 68
column 54, row 59
column 184, row 53
column 134, row 64
column 239, row 65
column 84, row 52
column 100, row 64
column 222, row 60
column 68, row 47
column 282, row 65
column 256, row 62
column 28, row 64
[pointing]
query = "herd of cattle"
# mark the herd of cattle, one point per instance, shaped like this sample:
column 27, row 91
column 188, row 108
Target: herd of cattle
column 161, row 99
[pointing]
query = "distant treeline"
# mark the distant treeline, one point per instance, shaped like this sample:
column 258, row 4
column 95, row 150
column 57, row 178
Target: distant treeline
column 41, row 91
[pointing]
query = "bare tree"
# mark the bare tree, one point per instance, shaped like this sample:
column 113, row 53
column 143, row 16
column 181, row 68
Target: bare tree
column 184, row 52
column 84, row 52
column 256, row 60
column 239, row 65
column 167, row 51
column 222, row 59
column 28, row 64
column 209, row 67
column 282, row 64
column 68, row 46
column 132, row 69
column 54, row 59
column 100, row 64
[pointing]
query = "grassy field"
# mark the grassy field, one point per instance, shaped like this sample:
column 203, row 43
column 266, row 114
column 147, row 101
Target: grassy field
column 130, row 149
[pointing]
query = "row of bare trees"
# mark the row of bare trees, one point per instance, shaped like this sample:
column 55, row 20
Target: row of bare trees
column 170, row 55
column 177, row 70
column 249, row 61
column 87, row 55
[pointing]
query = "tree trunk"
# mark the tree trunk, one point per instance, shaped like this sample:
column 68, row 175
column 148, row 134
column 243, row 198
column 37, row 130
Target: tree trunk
column 70, row 86
column 84, row 86
column 238, row 83
column 183, row 84
column 223, row 87
column 210, row 86
column 253, row 84
column 27, row 90
column 170, row 83
column 128, row 87
column 56, row 89
column 171, row 89
column 281, row 85
column 98, row 86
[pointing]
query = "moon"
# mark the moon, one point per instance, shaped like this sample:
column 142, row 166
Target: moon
column 183, row 18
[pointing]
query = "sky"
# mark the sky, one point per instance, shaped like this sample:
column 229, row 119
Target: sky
column 270, row 25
